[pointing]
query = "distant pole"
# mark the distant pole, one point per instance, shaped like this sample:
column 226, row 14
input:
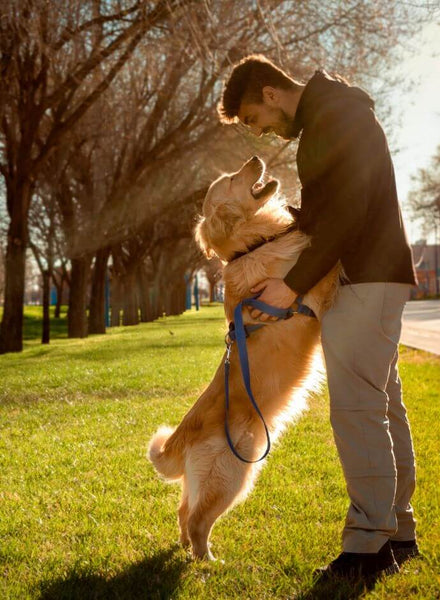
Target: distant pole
column 187, row 291
column 196, row 292
column 107, row 300
column 53, row 296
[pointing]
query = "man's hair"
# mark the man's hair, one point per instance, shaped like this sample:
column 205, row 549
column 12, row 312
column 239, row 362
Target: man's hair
column 246, row 83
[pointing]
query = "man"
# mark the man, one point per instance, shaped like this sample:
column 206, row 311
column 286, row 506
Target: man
column 349, row 208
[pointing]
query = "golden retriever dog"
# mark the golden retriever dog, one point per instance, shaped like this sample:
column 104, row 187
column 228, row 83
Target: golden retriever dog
column 247, row 225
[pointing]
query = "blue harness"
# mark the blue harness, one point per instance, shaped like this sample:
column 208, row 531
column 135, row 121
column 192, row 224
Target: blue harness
column 238, row 332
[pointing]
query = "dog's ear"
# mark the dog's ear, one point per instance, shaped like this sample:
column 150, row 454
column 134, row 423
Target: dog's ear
column 202, row 238
column 214, row 231
column 225, row 218
column 222, row 223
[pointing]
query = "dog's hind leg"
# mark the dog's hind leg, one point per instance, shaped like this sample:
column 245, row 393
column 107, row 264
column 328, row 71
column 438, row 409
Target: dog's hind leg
column 216, row 495
column 183, row 515
column 202, row 519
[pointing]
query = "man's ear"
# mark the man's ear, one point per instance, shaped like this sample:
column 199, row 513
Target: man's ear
column 271, row 96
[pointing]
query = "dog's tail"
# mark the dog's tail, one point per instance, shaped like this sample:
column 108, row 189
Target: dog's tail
column 165, row 454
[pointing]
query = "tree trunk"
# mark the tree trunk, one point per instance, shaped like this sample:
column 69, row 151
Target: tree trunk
column 97, row 298
column 154, row 296
column 174, row 298
column 131, row 305
column 178, row 299
column 143, row 289
column 11, row 331
column 59, row 298
column 143, row 302
column 182, row 296
column 77, row 315
column 149, row 310
column 116, row 301
column 45, row 338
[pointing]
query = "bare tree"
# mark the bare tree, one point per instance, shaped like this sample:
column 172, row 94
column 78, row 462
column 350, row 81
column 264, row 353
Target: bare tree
column 425, row 202
column 425, row 195
column 155, row 68
column 44, row 241
column 56, row 60
column 3, row 237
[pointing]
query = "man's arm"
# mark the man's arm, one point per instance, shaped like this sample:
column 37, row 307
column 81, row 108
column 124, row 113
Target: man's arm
column 274, row 292
column 337, row 202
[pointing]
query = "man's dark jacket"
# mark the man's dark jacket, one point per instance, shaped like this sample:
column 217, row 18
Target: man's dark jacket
column 348, row 199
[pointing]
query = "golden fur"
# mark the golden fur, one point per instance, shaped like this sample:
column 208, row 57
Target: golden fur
column 237, row 214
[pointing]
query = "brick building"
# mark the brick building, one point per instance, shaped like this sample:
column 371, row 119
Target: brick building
column 427, row 261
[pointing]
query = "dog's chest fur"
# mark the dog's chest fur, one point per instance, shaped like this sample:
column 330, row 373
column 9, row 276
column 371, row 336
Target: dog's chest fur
column 273, row 259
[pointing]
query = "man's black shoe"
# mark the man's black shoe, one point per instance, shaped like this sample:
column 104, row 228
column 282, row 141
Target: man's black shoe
column 403, row 551
column 361, row 565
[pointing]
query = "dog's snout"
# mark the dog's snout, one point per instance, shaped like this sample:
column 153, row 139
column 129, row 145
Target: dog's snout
column 255, row 161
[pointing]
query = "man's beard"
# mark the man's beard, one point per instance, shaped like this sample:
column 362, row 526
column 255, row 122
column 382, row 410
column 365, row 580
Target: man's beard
column 286, row 123
column 283, row 127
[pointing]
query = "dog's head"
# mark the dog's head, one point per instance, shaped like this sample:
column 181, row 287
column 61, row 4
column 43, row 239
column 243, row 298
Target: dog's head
column 233, row 210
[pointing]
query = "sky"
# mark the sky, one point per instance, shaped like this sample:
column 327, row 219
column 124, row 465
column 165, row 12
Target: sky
column 419, row 133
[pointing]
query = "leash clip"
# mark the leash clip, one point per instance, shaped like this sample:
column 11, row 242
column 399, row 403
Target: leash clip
column 228, row 352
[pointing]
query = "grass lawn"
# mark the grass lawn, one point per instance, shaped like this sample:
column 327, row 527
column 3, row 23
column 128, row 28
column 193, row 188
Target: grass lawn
column 83, row 515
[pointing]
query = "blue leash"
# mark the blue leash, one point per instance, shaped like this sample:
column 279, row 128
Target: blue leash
column 239, row 332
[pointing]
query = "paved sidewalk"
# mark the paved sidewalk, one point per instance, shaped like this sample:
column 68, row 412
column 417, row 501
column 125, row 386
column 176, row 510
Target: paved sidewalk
column 421, row 325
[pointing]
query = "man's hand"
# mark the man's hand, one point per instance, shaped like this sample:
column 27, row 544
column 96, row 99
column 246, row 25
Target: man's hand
column 276, row 293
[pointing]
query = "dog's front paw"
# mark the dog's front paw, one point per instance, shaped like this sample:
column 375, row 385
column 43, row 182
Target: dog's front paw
column 205, row 555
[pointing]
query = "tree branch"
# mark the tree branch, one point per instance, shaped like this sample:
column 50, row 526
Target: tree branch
column 68, row 33
column 61, row 128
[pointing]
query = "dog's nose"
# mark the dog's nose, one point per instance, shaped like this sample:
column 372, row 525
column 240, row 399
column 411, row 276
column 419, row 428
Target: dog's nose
column 255, row 158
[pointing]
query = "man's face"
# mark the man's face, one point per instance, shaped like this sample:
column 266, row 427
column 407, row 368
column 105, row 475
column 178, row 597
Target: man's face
column 262, row 118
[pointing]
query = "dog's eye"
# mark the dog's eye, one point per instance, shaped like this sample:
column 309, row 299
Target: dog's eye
column 232, row 179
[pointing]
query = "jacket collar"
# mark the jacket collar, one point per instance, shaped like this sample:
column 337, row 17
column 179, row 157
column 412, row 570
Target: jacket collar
column 320, row 88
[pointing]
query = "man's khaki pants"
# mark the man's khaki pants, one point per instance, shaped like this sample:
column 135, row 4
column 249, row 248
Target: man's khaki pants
column 360, row 336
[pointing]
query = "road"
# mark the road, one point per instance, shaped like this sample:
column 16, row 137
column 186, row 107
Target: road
column 421, row 325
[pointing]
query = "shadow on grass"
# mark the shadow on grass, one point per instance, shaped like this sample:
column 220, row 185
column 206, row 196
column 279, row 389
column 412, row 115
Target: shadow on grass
column 337, row 589
column 33, row 324
column 98, row 355
column 157, row 577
